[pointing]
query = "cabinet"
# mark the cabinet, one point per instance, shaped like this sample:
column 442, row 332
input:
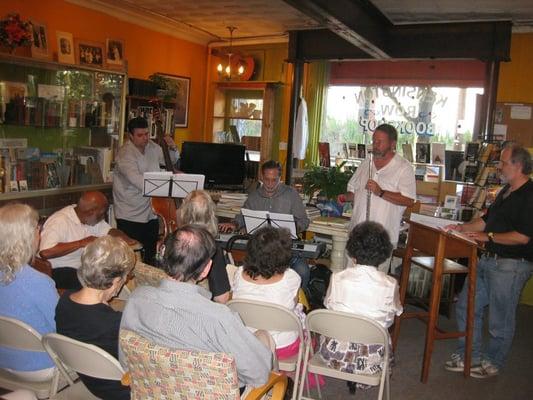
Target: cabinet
column 244, row 111
column 60, row 125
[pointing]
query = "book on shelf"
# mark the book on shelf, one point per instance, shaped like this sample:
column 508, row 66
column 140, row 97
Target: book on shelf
column 472, row 151
column 470, row 173
column 361, row 150
column 437, row 153
column 407, row 150
column 423, row 154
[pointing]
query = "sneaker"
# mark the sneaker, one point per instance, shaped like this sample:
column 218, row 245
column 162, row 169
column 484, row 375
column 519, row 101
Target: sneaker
column 487, row 370
column 456, row 364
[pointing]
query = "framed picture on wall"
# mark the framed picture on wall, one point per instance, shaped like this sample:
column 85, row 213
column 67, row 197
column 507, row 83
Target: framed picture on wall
column 178, row 87
column 39, row 45
column 90, row 54
column 65, row 48
column 114, row 52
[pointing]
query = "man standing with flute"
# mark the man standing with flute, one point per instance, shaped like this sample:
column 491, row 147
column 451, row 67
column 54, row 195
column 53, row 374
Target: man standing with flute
column 389, row 180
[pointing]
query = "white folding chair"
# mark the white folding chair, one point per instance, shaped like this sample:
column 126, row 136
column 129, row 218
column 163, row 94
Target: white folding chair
column 349, row 328
column 18, row 335
column 83, row 358
column 271, row 317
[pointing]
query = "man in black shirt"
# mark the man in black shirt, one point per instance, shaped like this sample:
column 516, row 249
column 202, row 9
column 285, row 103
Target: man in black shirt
column 504, row 267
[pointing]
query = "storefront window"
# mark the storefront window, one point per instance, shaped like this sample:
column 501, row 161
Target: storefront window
column 420, row 113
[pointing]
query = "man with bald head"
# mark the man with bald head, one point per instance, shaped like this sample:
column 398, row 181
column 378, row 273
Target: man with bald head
column 69, row 230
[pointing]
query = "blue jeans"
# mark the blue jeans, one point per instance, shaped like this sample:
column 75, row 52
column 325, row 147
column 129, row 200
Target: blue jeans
column 498, row 286
column 299, row 265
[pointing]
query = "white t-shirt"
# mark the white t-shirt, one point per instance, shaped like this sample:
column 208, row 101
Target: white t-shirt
column 365, row 291
column 283, row 293
column 397, row 176
column 64, row 226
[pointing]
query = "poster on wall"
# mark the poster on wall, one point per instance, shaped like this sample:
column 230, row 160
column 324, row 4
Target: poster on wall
column 65, row 48
column 178, row 88
column 114, row 52
column 39, row 45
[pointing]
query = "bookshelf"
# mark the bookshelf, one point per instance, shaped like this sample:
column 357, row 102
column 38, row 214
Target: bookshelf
column 60, row 126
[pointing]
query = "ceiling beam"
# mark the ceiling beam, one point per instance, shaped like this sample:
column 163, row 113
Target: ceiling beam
column 472, row 40
column 359, row 23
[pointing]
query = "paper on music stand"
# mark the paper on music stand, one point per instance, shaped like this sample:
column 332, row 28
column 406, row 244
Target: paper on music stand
column 157, row 184
column 183, row 184
column 254, row 220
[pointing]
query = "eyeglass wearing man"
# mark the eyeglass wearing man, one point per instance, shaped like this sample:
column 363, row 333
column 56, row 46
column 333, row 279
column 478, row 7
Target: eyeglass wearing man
column 274, row 196
column 503, row 269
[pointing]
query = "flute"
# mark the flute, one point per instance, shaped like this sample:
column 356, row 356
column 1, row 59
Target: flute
column 369, row 192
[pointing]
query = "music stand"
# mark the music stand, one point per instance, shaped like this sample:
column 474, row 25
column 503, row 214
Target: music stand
column 254, row 220
column 166, row 184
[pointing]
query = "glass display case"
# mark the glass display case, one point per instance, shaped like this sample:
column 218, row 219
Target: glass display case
column 60, row 125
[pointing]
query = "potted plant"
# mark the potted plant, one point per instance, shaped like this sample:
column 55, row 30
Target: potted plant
column 328, row 184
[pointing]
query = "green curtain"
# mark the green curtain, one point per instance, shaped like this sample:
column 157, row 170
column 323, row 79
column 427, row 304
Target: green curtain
column 315, row 90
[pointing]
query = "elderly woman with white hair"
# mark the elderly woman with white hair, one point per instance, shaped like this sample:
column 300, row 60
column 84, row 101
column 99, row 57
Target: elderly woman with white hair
column 86, row 316
column 25, row 293
column 198, row 208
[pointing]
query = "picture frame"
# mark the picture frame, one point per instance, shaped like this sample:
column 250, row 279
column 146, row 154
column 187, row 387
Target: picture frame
column 65, row 48
column 90, row 54
column 39, row 44
column 180, row 87
column 115, row 53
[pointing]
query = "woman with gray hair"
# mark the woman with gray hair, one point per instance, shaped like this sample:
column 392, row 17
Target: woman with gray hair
column 86, row 316
column 198, row 208
column 25, row 293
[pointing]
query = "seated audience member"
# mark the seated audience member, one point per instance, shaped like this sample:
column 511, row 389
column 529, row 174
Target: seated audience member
column 198, row 208
column 365, row 291
column 25, row 293
column 180, row 314
column 67, row 231
column 266, row 277
column 86, row 316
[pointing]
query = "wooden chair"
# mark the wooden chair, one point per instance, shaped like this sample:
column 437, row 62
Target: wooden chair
column 159, row 372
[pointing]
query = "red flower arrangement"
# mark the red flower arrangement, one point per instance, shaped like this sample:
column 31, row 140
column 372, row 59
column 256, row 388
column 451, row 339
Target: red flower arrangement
column 14, row 32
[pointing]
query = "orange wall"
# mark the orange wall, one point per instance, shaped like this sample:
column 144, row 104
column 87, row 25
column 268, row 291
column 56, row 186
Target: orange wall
column 515, row 83
column 146, row 51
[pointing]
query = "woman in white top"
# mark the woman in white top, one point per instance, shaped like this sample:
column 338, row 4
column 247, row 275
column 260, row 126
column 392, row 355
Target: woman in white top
column 363, row 290
column 266, row 275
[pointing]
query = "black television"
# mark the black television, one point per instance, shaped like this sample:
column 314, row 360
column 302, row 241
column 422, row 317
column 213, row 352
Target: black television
column 221, row 163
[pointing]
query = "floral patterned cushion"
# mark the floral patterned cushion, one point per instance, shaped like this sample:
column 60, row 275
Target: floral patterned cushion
column 158, row 372
column 146, row 275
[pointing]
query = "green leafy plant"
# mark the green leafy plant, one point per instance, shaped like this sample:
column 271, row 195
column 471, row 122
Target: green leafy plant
column 327, row 182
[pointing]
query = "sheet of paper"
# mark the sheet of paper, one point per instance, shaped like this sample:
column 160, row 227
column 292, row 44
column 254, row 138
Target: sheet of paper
column 500, row 130
column 183, row 184
column 157, row 184
column 520, row 112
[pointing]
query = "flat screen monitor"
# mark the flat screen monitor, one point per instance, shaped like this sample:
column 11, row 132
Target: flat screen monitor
column 221, row 163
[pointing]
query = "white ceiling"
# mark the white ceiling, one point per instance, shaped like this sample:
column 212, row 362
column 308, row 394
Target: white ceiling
column 206, row 20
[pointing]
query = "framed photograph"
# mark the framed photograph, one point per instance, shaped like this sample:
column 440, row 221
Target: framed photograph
column 65, row 48
column 179, row 89
column 114, row 49
column 90, row 54
column 39, row 45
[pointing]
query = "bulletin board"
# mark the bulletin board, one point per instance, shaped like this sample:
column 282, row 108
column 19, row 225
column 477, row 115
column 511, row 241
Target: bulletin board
column 516, row 120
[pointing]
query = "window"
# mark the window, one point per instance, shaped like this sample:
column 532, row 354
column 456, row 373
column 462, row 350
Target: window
column 434, row 114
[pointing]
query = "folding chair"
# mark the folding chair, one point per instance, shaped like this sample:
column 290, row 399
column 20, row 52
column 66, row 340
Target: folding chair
column 21, row 336
column 349, row 328
column 271, row 317
column 83, row 358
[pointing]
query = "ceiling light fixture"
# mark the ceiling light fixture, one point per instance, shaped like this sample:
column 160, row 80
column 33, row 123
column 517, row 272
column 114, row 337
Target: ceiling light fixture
column 226, row 71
